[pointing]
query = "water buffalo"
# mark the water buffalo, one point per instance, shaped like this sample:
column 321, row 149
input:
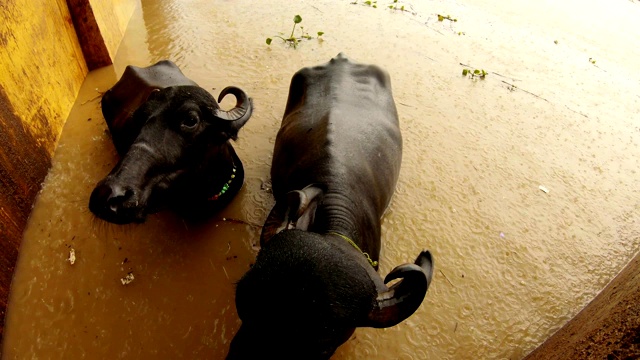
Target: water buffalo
column 173, row 142
column 335, row 166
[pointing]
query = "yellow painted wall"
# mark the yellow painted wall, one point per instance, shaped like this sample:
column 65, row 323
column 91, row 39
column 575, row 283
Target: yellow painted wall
column 42, row 67
column 41, row 70
column 41, row 64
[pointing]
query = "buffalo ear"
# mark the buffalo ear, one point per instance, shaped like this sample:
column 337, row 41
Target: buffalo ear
column 298, row 212
column 403, row 298
column 302, row 206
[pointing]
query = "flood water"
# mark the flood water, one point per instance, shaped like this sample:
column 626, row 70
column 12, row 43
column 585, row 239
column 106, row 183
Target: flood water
column 513, row 262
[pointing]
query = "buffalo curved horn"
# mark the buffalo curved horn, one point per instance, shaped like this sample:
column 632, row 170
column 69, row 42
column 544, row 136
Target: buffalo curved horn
column 403, row 298
column 241, row 112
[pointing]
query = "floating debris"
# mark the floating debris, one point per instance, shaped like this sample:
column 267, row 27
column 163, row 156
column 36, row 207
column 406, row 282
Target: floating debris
column 72, row 256
column 265, row 185
column 127, row 279
column 445, row 276
column 543, row 188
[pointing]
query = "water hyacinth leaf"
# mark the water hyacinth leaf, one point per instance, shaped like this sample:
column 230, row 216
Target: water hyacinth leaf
column 476, row 71
column 465, row 72
column 269, row 41
column 297, row 19
column 320, row 33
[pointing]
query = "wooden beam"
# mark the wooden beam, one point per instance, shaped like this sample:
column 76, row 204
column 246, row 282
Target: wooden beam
column 93, row 44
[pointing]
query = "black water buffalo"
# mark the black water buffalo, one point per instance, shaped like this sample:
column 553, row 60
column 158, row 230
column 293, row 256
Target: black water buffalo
column 335, row 166
column 173, row 141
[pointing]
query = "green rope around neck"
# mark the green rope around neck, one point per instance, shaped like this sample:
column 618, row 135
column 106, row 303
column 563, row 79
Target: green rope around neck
column 371, row 261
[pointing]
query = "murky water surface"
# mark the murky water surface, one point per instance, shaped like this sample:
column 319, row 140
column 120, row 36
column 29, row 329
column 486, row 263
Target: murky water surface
column 514, row 263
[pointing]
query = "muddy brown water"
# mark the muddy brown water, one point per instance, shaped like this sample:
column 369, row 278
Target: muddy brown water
column 513, row 262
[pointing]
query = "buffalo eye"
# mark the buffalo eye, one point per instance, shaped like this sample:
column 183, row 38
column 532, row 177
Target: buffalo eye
column 190, row 121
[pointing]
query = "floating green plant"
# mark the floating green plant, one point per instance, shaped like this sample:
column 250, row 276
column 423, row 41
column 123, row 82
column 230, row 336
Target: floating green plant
column 395, row 5
column 293, row 40
column 373, row 4
column 451, row 20
column 398, row 6
column 448, row 17
column 474, row 73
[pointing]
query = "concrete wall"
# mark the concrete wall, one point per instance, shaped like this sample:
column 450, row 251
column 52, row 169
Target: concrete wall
column 42, row 66
column 607, row 328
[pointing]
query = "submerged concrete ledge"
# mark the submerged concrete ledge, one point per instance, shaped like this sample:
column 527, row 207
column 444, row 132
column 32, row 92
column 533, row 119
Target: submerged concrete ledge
column 607, row 328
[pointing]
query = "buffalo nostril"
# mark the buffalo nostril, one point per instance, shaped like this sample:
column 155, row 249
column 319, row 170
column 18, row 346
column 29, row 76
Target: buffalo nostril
column 128, row 194
column 115, row 203
column 112, row 196
column 113, row 206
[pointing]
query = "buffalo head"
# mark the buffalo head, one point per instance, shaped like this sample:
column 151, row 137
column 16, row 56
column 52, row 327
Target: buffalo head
column 305, row 296
column 174, row 148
